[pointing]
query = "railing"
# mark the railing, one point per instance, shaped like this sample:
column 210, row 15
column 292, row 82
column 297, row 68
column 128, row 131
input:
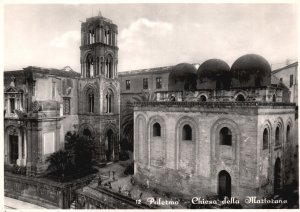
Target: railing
column 213, row 104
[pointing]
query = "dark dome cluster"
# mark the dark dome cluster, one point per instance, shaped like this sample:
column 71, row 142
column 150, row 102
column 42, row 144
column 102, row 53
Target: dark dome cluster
column 183, row 75
column 250, row 70
column 253, row 69
column 183, row 71
column 213, row 68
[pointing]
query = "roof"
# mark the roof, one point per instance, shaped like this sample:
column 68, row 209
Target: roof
column 147, row 71
column 157, row 70
column 51, row 71
column 285, row 67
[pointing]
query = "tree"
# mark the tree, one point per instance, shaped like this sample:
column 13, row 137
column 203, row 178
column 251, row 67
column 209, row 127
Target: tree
column 127, row 119
column 77, row 156
column 60, row 163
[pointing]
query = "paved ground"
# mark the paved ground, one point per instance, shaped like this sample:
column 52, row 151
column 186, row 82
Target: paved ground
column 10, row 203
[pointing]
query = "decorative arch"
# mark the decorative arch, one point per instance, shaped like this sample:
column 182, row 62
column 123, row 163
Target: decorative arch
column 203, row 97
column 84, row 128
column 266, row 126
column 157, row 144
column 90, row 95
column 109, row 66
column 110, row 103
column 279, row 131
column 140, row 140
column 289, row 130
column 89, row 62
column 186, row 162
column 222, row 151
column 239, row 94
column 110, row 144
column 92, row 87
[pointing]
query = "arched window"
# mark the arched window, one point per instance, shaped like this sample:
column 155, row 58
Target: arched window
column 277, row 136
column 186, row 132
column 109, row 67
column 89, row 66
column 265, row 139
column 90, row 100
column 288, row 133
column 87, row 132
column 202, row 98
column 91, row 103
column 274, row 98
column 240, row 98
column 225, row 136
column 98, row 67
column 156, row 130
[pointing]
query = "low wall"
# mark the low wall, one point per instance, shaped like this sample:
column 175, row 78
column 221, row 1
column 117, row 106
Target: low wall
column 95, row 198
column 41, row 191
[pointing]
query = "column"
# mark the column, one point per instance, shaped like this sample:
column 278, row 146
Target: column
column 25, row 147
column 20, row 149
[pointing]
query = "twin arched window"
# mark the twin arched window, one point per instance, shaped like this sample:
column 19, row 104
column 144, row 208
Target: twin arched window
column 225, row 136
column 90, row 100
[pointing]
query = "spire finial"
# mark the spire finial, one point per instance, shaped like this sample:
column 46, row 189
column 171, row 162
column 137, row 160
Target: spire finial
column 99, row 13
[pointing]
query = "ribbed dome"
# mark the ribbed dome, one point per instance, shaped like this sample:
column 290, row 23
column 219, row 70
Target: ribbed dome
column 213, row 68
column 253, row 69
column 183, row 71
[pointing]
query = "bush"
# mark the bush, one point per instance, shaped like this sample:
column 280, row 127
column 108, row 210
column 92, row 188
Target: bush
column 75, row 161
column 129, row 169
column 123, row 155
column 15, row 169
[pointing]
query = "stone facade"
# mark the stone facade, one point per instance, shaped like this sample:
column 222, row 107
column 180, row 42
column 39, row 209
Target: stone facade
column 41, row 104
column 233, row 142
column 191, row 167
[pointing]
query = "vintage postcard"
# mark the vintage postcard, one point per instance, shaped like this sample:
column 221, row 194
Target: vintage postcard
column 150, row 106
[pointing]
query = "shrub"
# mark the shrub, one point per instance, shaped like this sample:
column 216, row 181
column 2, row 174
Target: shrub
column 129, row 169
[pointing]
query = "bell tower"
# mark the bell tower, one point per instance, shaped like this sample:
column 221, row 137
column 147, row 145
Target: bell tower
column 99, row 87
column 99, row 48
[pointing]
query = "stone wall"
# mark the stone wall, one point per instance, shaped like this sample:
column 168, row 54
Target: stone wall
column 42, row 191
column 101, row 198
column 192, row 167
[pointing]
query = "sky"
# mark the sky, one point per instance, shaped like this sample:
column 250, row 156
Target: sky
column 151, row 35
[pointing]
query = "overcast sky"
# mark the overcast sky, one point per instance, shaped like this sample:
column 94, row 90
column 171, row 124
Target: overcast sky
column 151, row 35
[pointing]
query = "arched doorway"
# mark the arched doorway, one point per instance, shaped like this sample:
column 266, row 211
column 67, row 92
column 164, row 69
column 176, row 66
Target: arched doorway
column 109, row 143
column 87, row 132
column 277, row 176
column 224, row 187
column 13, row 149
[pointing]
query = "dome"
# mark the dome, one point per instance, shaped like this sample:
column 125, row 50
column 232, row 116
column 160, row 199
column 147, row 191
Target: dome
column 251, row 70
column 213, row 68
column 183, row 71
column 183, row 77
